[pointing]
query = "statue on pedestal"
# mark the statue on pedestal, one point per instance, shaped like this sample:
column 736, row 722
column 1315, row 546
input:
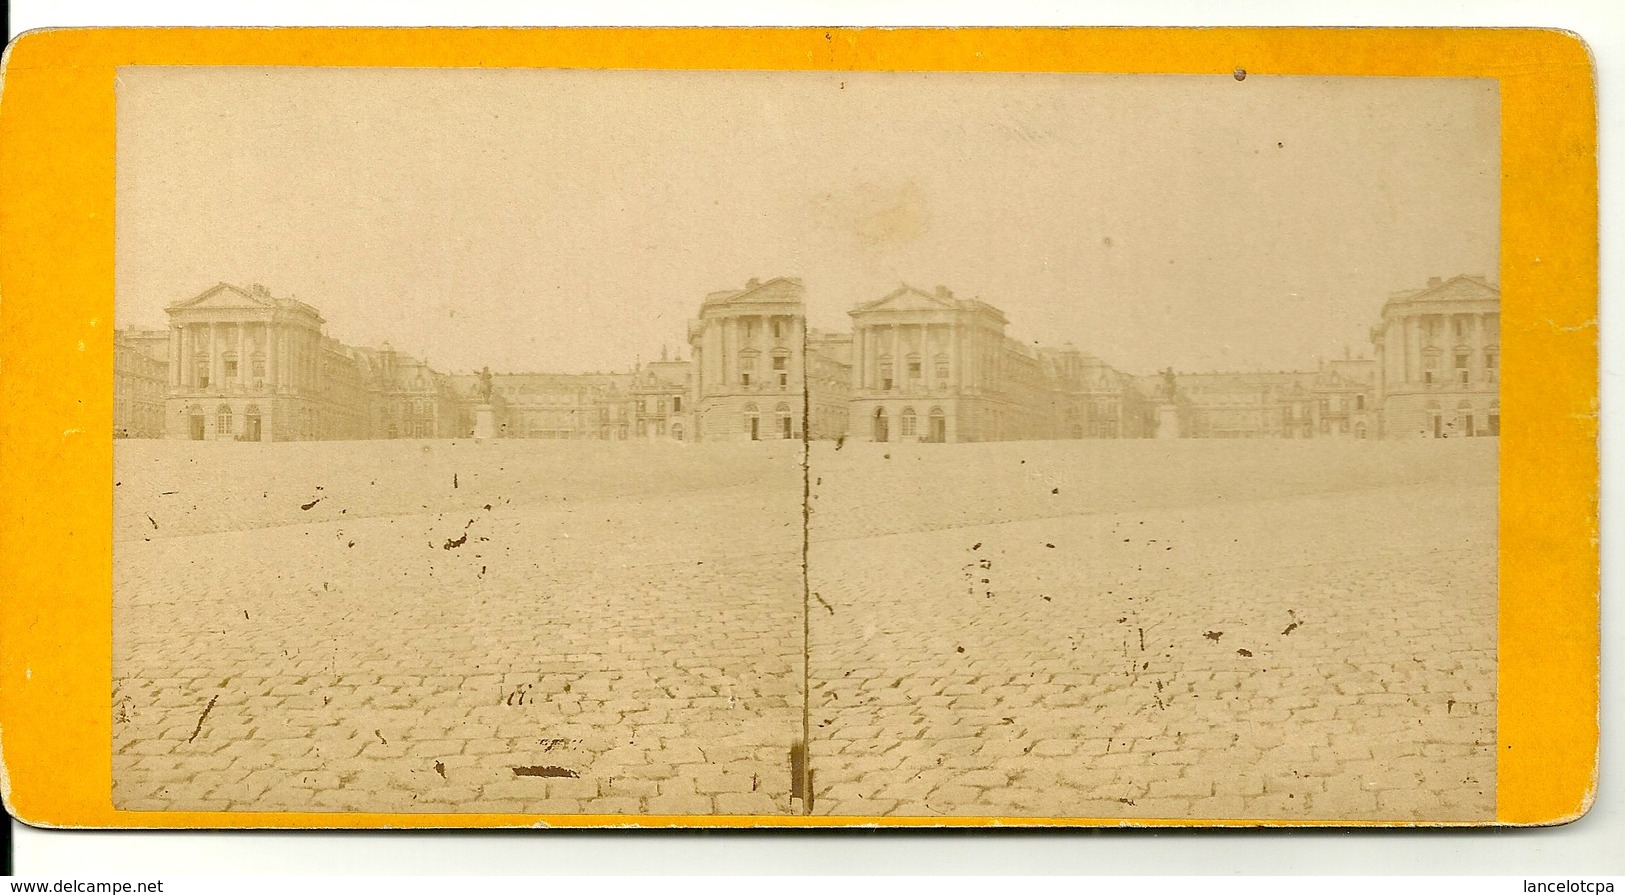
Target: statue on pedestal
column 485, row 385
column 1168, row 412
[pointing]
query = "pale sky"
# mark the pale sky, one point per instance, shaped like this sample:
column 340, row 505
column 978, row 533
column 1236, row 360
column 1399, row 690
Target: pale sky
column 542, row 220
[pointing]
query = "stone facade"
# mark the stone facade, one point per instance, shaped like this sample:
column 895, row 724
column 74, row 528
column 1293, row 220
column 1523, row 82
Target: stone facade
column 917, row 366
column 568, row 406
column 140, row 382
column 1439, row 360
column 1335, row 401
column 829, row 384
column 749, row 363
column 245, row 365
column 1098, row 400
column 660, row 405
column 931, row 367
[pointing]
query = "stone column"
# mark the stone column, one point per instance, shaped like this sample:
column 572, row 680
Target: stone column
column 242, row 357
column 270, row 356
column 857, row 358
column 214, row 356
column 1413, row 348
column 174, row 357
column 1478, row 373
column 730, row 352
column 863, row 368
column 956, row 357
column 798, row 355
column 897, row 379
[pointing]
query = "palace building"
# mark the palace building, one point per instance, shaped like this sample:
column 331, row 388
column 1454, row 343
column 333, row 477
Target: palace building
column 557, row 406
column 140, row 382
column 239, row 364
column 661, row 408
column 749, row 373
column 1334, row 401
column 931, row 367
column 1439, row 359
column 247, row 366
column 408, row 398
column 829, row 384
column 1098, row 400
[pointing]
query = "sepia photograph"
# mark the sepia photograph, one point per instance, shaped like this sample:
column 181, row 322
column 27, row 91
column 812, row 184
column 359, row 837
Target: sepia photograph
column 848, row 444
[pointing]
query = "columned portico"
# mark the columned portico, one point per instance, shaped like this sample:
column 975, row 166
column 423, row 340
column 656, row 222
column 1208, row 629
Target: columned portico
column 218, row 390
column 750, row 370
column 918, row 382
column 1438, row 358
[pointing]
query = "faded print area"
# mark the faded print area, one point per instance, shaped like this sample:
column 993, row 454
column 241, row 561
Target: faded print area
column 674, row 443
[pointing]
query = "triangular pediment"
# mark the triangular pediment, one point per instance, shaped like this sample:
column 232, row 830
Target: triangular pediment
column 778, row 289
column 225, row 295
column 908, row 298
column 1459, row 288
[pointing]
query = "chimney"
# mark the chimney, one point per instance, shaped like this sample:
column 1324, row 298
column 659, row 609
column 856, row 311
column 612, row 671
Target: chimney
column 1434, row 281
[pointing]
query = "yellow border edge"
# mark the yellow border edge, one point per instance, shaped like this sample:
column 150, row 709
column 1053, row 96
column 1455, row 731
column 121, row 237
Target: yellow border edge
column 56, row 296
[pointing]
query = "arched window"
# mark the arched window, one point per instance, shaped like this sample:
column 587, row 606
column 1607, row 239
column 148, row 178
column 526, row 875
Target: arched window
column 753, row 422
column 939, row 427
column 1435, row 423
column 1492, row 423
column 1464, row 419
column 908, row 428
column 222, row 420
column 677, row 431
column 1359, row 431
column 882, row 430
column 786, row 422
column 194, row 419
column 251, row 423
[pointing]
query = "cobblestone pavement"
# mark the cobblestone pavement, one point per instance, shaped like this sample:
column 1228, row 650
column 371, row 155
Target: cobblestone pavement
column 1123, row 629
column 1155, row 630
column 561, row 628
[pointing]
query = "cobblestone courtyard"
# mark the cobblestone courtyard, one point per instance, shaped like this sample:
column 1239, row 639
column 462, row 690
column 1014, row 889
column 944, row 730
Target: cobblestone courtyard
column 1155, row 629
column 448, row 626
column 1124, row 629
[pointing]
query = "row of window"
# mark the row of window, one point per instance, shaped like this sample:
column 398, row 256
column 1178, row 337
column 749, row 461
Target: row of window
column 1433, row 326
column 657, row 428
column 1463, row 366
column 781, row 368
column 784, row 422
column 1466, row 424
column 908, row 423
column 676, row 405
column 779, row 326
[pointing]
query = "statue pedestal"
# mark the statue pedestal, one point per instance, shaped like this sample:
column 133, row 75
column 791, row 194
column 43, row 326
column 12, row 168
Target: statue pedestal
column 1168, row 421
column 485, row 422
